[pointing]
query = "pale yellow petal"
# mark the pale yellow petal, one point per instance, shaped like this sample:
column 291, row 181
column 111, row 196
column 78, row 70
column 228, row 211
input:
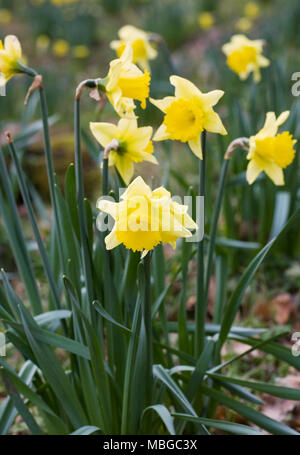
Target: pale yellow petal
column 137, row 187
column 13, row 47
column 161, row 134
column 213, row 123
column 103, row 132
column 125, row 168
column 195, row 145
column 275, row 173
column 111, row 240
column 184, row 88
column 282, row 118
column 211, row 98
column 270, row 127
column 108, row 207
column 253, row 171
column 164, row 103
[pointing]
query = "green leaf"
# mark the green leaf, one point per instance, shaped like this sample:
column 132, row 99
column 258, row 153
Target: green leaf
column 86, row 430
column 286, row 393
column 230, row 427
column 254, row 416
column 165, row 416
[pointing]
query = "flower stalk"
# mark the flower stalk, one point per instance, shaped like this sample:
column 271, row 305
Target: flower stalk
column 200, row 310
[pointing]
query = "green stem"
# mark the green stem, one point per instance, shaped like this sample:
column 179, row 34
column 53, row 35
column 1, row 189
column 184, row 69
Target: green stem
column 213, row 231
column 148, row 321
column 85, row 249
column 43, row 253
column 27, row 271
column 200, row 310
column 105, row 177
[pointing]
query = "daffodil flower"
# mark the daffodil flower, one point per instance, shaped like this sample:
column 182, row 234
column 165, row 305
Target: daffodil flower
column 143, row 50
column 269, row 151
column 188, row 114
column 134, row 144
column 124, row 83
column 145, row 218
column 11, row 59
column 245, row 56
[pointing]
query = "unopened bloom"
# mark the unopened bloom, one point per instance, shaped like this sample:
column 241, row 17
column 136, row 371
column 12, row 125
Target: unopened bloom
column 11, row 59
column 143, row 50
column 145, row 218
column 134, row 144
column 270, row 151
column 188, row 113
column 206, row 20
column 124, row 83
column 245, row 56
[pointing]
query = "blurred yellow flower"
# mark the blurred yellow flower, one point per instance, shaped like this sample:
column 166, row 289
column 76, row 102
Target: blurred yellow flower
column 143, row 50
column 243, row 24
column 124, row 83
column 245, row 56
column 5, row 16
column 60, row 48
column 11, row 59
column 80, row 51
column 42, row 42
column 145, row 218
column 252, row 10
column 134, row 144
column 188, row 113
column 270, row 152
column 206, row 20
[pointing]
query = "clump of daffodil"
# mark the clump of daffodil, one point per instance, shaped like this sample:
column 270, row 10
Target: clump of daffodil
column 142, row 48
column 133, row 144
column 5, row 16
column 11, row 60
column 206, row 20
column 245, row 56
column 124, row 83
column 269, row 151
column 188, row 114
column 145, row 218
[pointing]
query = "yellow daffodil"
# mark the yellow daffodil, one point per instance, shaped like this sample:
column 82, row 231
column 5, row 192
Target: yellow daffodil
column 251, row 10
column 243, row 24
column 11, row 59
column 206, row 20
column 134, row 144
column 5, row 16
column 188, row 113
column 143, row 50
column 80, row 51
column 60, row 48
column 124, row 83
column 245, row 56
column 145, row 218
column 42, row 43
column 269, row 151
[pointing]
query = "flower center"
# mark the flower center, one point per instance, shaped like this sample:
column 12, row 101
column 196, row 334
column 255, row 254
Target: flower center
column 239, row 60
column 184, row 119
